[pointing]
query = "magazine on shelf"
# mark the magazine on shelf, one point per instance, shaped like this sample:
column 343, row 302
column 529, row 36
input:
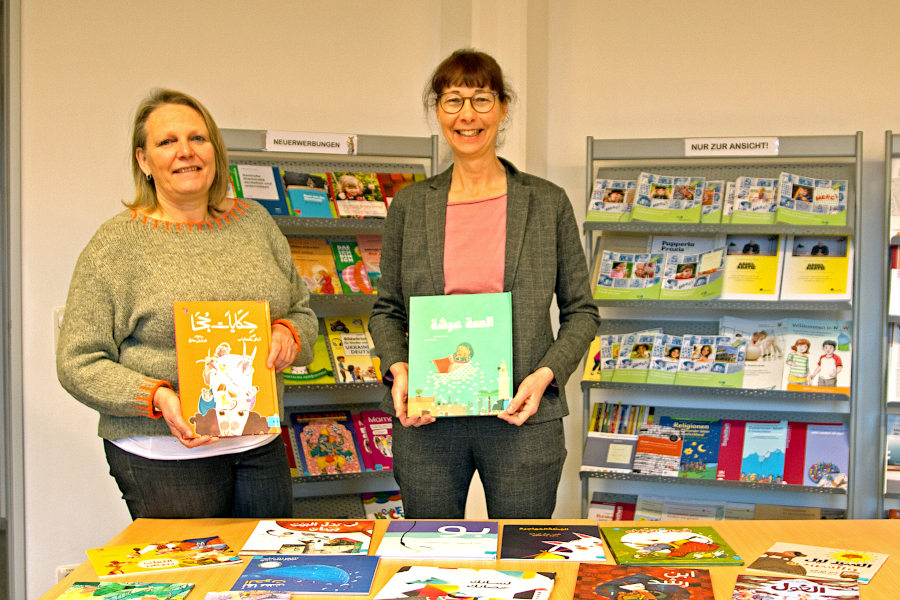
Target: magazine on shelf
column 356, row 195
column 809, row 201
column 633, row 362
column 693, row 276
column 665, row 358
column 818, row 455
column 755, row 200
column 577, row 543
column 628, row 276
column 171, row 555
column 309, row 537
column 712, row 361
column 818, row 356
column 728, row 201
column 335, row 574
column 621, row 582
column 762, row 458
column 764, row 352
column 611, row 200
column 753, row 267
column 711, row 204
column 817, row 268
column 307, row 194
column 437, row 583
column 697, row 546
column 771, row 587
column 475, row 540
column 668, row 199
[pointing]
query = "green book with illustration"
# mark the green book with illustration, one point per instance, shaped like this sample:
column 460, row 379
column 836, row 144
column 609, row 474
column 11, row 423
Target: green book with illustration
column 460, row 354
column 697, row 546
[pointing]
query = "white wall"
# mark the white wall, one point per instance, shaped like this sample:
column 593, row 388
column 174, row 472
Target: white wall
column 607, row 69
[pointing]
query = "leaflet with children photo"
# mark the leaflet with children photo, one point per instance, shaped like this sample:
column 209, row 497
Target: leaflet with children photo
column 665, row 358
column 693, row 276
column 628, row 276
column 809, row 201
column 611, row 200
column 755, row 200
column 668, row 199
column 634, row 358
column 711, row 203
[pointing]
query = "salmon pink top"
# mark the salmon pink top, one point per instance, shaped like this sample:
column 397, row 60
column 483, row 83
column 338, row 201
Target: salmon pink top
column 475, row 246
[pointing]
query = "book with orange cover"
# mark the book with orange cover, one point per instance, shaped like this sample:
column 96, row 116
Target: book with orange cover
column 225, row 386
column 314, row 261
column 128, row 559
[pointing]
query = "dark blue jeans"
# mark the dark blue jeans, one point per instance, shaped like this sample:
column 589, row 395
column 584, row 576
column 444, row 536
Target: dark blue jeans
column 251, row 484
column 519, row 467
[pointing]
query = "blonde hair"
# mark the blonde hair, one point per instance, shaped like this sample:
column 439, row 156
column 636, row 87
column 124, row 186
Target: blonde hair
column 145, row 190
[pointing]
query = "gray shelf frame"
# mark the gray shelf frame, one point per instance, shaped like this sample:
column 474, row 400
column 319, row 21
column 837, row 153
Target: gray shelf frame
column 891, row 151
column 836, row 156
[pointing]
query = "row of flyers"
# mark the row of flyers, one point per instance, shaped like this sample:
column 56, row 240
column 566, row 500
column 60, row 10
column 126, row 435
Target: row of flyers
column 788, row 198
column 319, row 195
column 798, row 355
column 730, row 267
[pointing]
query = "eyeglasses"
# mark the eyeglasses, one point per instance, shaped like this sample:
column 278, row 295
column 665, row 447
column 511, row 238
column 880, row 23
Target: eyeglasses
column 481, row 102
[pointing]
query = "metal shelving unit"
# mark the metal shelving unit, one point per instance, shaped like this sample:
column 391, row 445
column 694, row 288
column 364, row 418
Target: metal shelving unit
column 888, row 499
column 834, row 157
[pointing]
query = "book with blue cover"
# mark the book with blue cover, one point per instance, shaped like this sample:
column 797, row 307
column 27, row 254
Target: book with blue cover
column 319, row 574
column 263, row 184
column 308, row 194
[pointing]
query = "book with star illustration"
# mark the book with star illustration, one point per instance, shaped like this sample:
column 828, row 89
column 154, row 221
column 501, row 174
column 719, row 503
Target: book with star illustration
column 336, row 574
column 579, row 543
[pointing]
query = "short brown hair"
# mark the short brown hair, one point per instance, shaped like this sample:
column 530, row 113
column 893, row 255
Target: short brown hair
column 145, row 190
column 470, row 68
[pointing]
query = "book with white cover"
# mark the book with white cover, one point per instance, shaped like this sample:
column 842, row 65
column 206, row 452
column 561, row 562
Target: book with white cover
column 764, row 354
column 476, row 540
column 415, row 581
column 817, row 268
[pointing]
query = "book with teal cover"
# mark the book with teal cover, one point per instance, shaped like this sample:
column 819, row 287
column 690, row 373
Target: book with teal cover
column 696, row 545
column 460, row 354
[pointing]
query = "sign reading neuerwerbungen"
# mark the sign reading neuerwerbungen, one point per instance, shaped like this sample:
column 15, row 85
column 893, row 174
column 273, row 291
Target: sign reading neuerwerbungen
column 460, row 354
column 319, row 143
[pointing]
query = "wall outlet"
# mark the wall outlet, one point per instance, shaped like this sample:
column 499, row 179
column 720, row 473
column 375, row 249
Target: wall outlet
column 62, row 571
column 57, row 324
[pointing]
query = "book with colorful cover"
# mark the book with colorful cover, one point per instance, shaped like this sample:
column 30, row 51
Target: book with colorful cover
column 658, row 451
column 263, row 184
column 696, row 276
column 129, row 559
column 295, row 463
column 221, row 348
column 476, row 540
column 668, row 199
column 376, row 427
column 370, row 251
column 391, row 183
column 700, row 447
column 712, row 361
column 579, row 543
column 772, row 587
column 809, row 201
column 697, row 546
column 319, row 371
column 351, row 269
column 711, row 204
column 460, row 354
column 818, row 356
column 611, row 200
column 309, row 537
column 120, row 590
column 755, row 200
column 434, row 583
column 762, row 459
column 314, row 261
column 665, row 358
column 593, row 364
column 357, row 195
column 817, row 268
column 826, row 455
column 628, row 276
column 308, row 194
column 362, row 439
column 764, row 352
column 247, row 595
column 753, row 266
column 383, row 505
column 817, row 561
column 321, row 574
column 326, row 442
column 633, row 362
column 621, row 582
column 351, row 349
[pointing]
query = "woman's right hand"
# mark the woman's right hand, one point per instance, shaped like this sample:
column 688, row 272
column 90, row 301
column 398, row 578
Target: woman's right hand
column 168, row 403
column 399, row 392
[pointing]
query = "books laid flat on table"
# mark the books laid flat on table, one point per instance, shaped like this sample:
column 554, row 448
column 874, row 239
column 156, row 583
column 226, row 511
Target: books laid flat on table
column 791, row 588
column 322, row 574
column 309, row 537
column 84, row 590
column 817, row 561
column 221, row 348
column 618, row 582
column 439, row 539
column 580, row 543
column 254, row 595
column 471, row 584
column 674, row 546
column 128, row 559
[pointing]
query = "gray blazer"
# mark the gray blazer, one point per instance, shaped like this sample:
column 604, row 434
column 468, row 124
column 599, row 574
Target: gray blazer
column 544, row 257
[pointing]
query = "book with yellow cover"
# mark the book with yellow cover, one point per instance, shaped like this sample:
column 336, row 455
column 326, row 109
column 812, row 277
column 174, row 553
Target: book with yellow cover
column 315, row 265
column 753, row 266
column 127, row 559
column 225, row 386
column 351, row 349
column 817, row 267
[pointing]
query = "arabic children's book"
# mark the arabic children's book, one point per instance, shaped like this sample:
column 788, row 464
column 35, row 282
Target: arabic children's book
column 309, row 537
column 308, row 194
column 460, row 354
column 357, row 195
column 817, row 561
column 579, row 543
column 621, row 582
column 674, row 546
column 314, row 262
column 326, row 442
column 475, row 540
column 263, row 184
column 116, row 590
column 321, row 574
column 755, row 200
column 221, row 347
column 611, row 200
column 809, row 201
column 471, row 584
column 817, row 268
column 248, row 595
column 790, row 588
column 128, row 559
column 351, row 349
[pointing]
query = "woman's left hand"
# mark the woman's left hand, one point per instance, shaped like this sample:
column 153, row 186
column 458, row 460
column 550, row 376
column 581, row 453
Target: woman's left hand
column 284, row 348
column 528, row 397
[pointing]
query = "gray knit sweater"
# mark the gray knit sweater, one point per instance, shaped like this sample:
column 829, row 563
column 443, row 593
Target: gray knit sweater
column 117, row 343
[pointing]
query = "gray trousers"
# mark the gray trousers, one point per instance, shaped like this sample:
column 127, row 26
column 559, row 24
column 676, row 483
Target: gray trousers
column 520, row 467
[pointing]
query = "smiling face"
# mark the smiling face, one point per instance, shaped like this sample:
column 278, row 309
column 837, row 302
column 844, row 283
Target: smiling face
column 178, row 154
column 471, row 134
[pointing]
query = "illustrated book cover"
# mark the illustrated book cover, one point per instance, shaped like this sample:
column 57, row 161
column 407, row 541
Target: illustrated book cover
column 611, row 200
column 711, row 204
column 308, row 194
column 825, row 460
column 471, row 584
column 764, row 352
column 326, row 442
column 351, row 349
column 374, row 429
column 221, row 348
column 817, row 268
column 700, row 445
column 818, row 356
column 628, row 276
column 753, row 266
column 675, row 546
column 314, row 261
column 762, row 458
column 321, row 574
column 309, row 537
column 772, row 587
column 579, row 543
column 247, row 595
column 817, row 561
column 755, row 200
column 668, row 199
column 369, row 247
column 383, row 505
column 319, row 371
column 357, row 195
column 809, row 201
column 351, row 270
column 475, row 540
column 621, row 582
column 460, row 354
column 129, row 559
column 263, row 184
column 116, row 590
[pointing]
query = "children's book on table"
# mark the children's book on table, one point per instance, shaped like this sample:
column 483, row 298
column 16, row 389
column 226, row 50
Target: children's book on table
column 130, row 559
column 92, row 590
column 773, row 587
column 475, row 540
column 696, row 546
column 309, row 537
column 578, row 543
column 618, row 582
column 817, row 561
column 471, row 584
column 322, row 574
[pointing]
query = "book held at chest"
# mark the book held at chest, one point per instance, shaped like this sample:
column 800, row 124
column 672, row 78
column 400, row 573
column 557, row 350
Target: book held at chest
column 460, row 354
column 226, row 389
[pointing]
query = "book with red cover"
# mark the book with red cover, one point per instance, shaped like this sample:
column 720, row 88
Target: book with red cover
column 730, row 449
column 617, row 582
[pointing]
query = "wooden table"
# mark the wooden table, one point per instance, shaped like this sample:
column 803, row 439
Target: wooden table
column 749, row 538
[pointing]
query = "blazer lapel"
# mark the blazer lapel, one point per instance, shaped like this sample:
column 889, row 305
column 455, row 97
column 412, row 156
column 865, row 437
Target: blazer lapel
column 435, row 226
column 517, row 199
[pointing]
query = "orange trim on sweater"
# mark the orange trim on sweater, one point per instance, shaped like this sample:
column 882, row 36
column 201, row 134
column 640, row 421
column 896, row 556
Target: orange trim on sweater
column 235, row 211
column 145, row 403
column 290, row 327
